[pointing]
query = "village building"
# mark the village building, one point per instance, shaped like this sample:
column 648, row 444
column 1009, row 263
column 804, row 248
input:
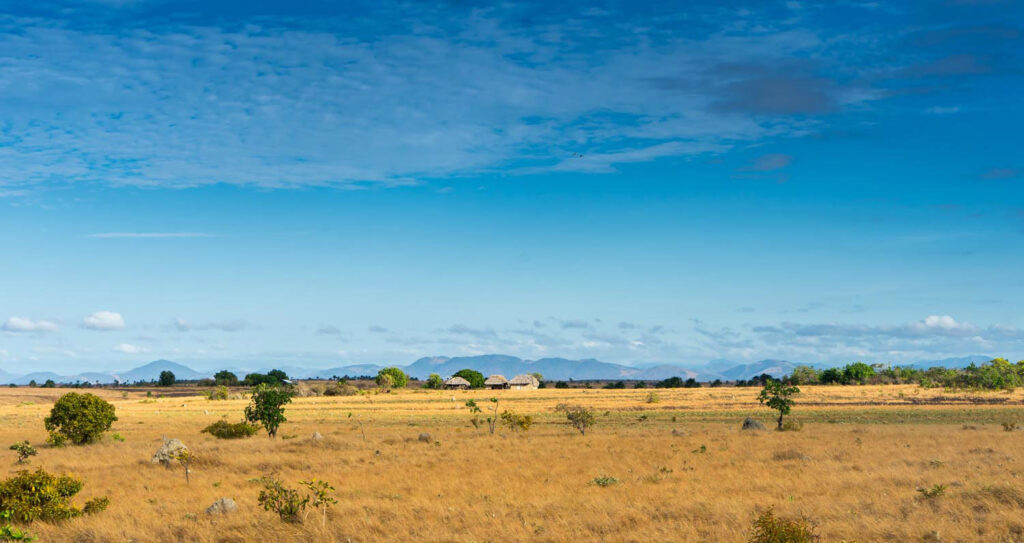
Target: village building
column 524, row 382
column 456, row 383
column 496, row 382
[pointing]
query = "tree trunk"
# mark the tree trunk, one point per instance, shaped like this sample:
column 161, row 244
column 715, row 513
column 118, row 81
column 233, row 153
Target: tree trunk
column 780, row 421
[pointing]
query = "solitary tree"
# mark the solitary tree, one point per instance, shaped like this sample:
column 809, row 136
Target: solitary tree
column 266, row 407
column 398, row 377
column 778, row 396
column 79, row 418
column 167, row 378
column 578, row 416
column 434, row 381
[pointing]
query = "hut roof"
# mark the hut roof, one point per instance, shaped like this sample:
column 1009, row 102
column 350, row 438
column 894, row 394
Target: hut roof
column 495, row 380
column 524, row 380
column 457, row 381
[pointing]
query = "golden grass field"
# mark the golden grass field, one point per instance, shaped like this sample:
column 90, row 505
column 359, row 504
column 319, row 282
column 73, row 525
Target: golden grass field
column 853, row 469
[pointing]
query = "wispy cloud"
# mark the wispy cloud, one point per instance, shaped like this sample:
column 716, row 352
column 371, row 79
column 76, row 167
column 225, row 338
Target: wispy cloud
column 22, row 324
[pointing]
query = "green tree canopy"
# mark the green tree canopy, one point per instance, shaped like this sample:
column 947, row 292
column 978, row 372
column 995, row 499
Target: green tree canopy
column 79, row 418
column 166, row 378
column 267, row 407
column 778, row 396
column 398, row 378
column 475, row 378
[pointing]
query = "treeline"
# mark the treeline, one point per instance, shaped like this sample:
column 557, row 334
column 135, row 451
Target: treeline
column 996, row 374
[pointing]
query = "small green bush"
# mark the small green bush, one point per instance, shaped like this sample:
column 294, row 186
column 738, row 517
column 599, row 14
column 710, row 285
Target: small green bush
column 516, row 422
column 223, row 429
column 286, row 502
column 769, row 528
column 79, row 418
column 219, row 393
column 38, row 495
column 604, row 481
column 24, row 450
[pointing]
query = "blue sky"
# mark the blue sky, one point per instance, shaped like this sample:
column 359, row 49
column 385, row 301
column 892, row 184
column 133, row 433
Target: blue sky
column 260, row 183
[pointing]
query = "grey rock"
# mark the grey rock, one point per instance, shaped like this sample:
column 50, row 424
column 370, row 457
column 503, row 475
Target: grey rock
column 222, row 506
column 425, row 437
column 168, row 451
column 751, row 424
column 317, row 437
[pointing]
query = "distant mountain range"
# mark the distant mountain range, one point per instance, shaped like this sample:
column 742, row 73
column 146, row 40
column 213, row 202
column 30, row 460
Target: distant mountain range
column 553, row 369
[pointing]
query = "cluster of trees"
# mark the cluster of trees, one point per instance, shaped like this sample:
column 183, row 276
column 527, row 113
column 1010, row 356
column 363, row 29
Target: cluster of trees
column 996, row 374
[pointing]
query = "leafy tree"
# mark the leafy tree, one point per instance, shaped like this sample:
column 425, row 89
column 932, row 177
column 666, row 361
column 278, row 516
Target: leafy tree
column 475, row 378
column 538, row 376
column 671, row 382
column 616, row 385
column 49, row 384
column 831, row 375
column 804, row 375
column 691, row 383
column 716, row 383
column 398, row 377
column 266, row 407
column 225, row 378
column 272, row 377
column 33, row 383
column 778, row 396
column 278, row 376
column 434, row 381
column 79, row 418
column 561, row 384
column 580, row 417
column 166, row 378
column 857, row 373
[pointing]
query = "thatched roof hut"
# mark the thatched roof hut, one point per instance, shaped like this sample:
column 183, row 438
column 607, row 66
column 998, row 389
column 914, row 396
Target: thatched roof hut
column 524, row 382
column 456, row 383
column 496, row 382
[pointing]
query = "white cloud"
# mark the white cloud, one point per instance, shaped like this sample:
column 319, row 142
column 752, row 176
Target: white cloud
column 128, row 348
column 104, row 320
column 21, row 324
column 184, row 106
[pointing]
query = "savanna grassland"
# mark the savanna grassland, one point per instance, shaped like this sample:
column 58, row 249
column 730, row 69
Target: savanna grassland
column 854, row 469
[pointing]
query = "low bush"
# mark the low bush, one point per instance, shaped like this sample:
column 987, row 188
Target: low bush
column 604, row 481
column 769, row 528
column 932, row 492
column 223, row 429
column 24, row 450
column 516, row 422
column 38, row 495
column 341, row 389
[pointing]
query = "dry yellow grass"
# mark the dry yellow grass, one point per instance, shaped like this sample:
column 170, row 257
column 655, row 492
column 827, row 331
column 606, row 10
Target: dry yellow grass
column 854, row 477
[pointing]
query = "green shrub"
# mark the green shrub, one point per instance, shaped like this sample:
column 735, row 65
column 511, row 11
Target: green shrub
column 223, row 429
column 434, row 381
column 24, row 450
column 341, row 389
column 515, row 422
column 219, row 393
column 769, row 528
column 604, row 480
column 96, row 505
column 578, row 416
column 286, row 502
column 38, row 495
column 79, row 418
